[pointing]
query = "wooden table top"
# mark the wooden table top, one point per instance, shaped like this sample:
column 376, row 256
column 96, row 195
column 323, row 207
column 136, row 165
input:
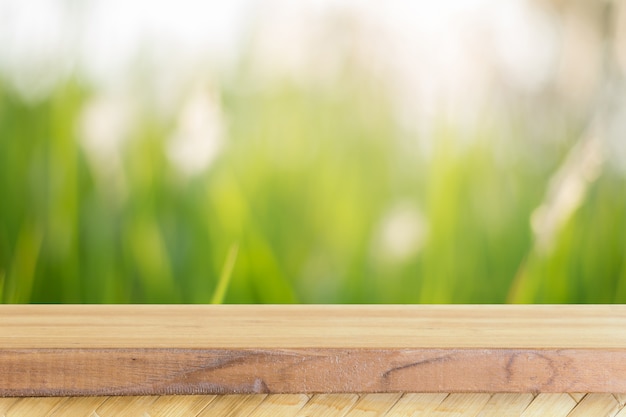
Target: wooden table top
column 313, row 326
column 86, row 350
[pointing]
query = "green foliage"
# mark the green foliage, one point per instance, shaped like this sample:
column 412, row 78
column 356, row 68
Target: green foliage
column 302, row 187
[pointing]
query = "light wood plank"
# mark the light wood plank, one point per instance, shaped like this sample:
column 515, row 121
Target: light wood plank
column 506, row 405
column 33, row 406
column 597, row 405
column 179, row 406
column 553, row 405
column 328, row 405
column 622, row 413
column 416, row 404
column 280, row 405
column 293, row 326
column 373, row 405
column 126, row 406
column 78, row 407
column 461, row 405
column 577, row 396
column 233, row 405
column 5, row 404
column 320, row 405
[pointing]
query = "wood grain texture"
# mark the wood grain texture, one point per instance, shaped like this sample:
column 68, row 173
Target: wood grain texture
column 280, row 405
column 34, row 407
column 179, row 406
column 6, row 404
column 373, row 405
column 577, row 396
column 323, row 405
column 157, row 350
column 506, row 405
column 174, row 371
column 597, row 405
column 417, row 404
column 328, row 405
column 127, row 407
column 461, row 405
column 312, row 326
column 77, row 406
column 553, row 405
column 232, row 405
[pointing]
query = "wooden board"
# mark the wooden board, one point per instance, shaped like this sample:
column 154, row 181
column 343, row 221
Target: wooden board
column 155, row 350
column 321, row 405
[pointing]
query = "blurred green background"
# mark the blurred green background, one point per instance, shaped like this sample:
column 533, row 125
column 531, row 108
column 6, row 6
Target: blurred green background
column 306, row 192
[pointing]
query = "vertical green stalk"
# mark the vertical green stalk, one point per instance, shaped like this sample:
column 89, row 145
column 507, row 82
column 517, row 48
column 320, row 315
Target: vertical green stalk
column 19, row 284
column 226, row 274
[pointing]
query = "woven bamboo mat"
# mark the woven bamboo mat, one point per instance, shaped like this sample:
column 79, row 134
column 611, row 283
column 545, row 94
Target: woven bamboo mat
column 327, row 405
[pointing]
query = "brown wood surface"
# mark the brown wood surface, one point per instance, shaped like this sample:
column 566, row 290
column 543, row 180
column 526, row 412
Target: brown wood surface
column 156, row 350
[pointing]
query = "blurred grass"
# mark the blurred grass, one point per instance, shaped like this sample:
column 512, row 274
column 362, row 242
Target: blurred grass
column 303, row 186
